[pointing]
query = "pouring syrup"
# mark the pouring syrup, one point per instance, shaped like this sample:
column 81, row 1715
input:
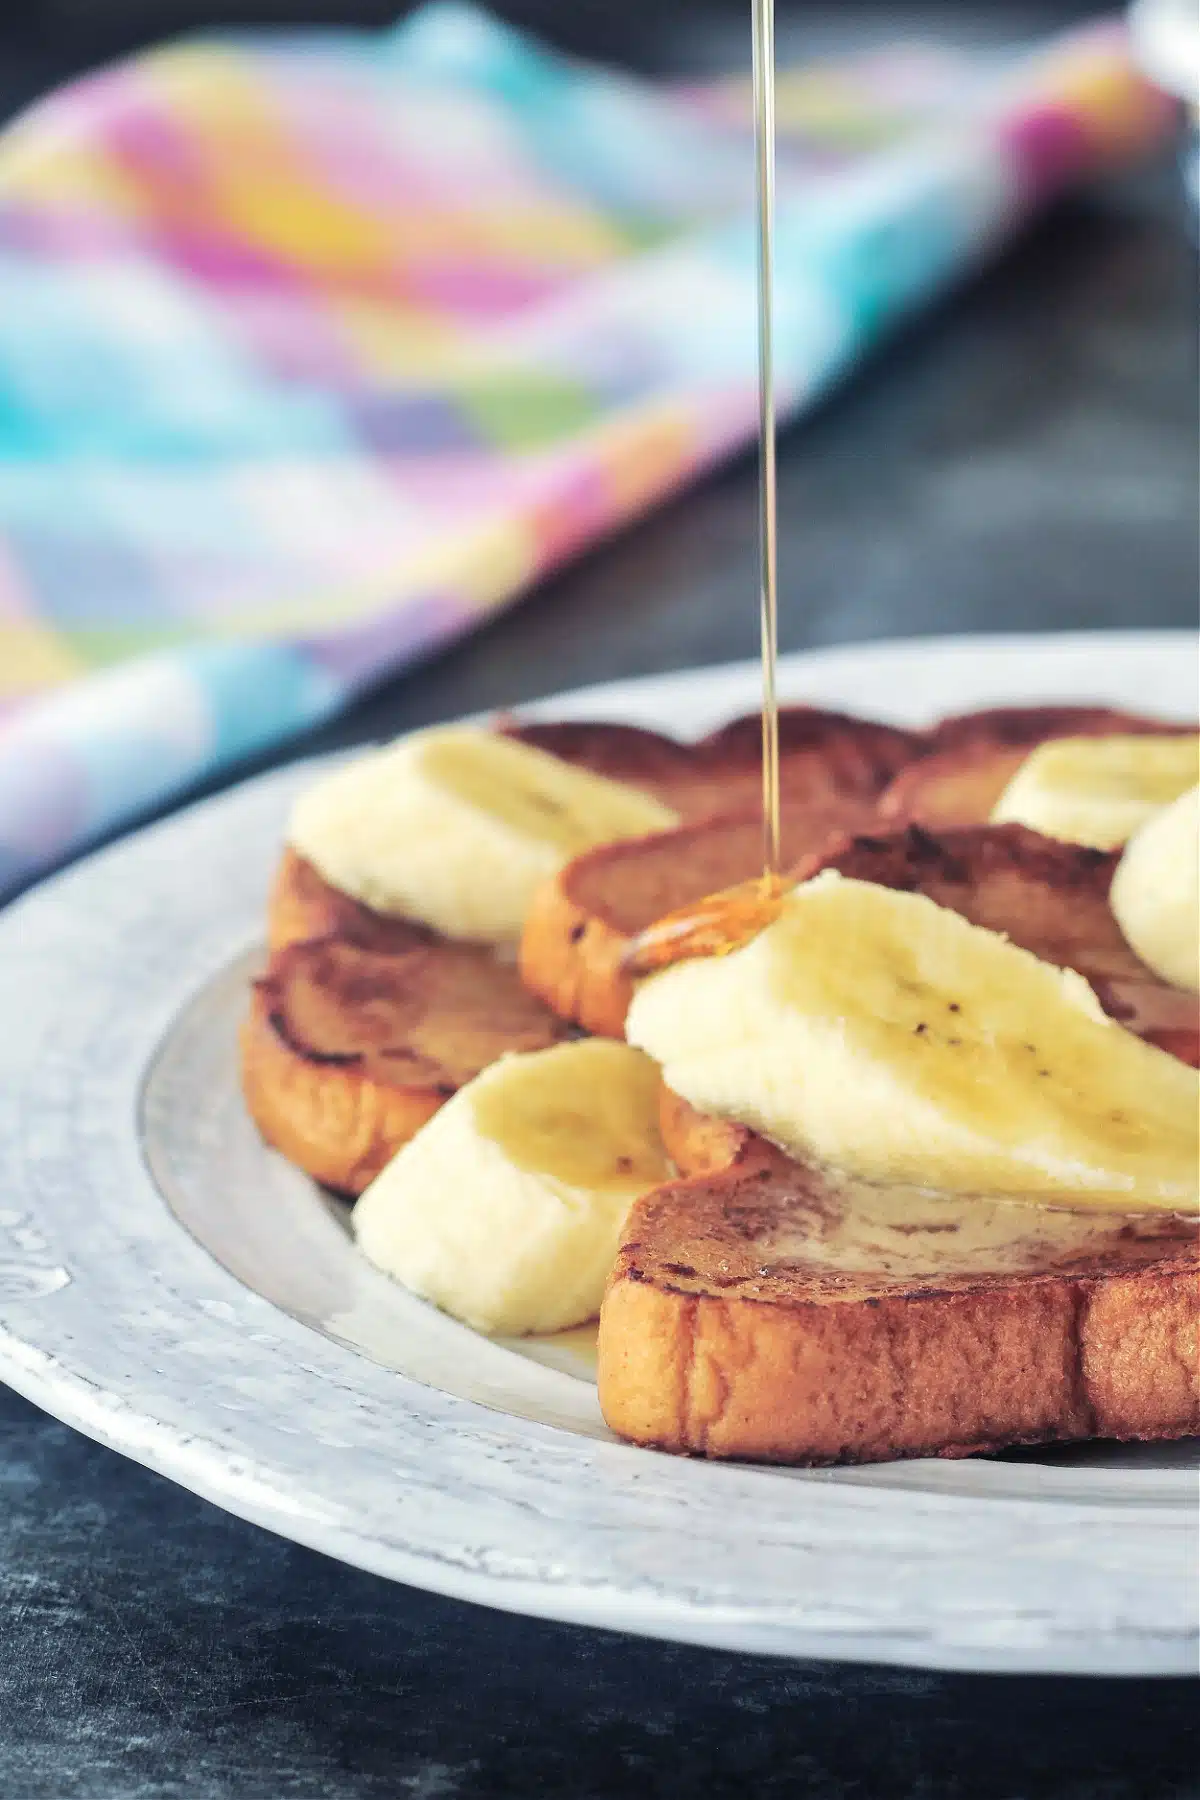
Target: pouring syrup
column 724, row 922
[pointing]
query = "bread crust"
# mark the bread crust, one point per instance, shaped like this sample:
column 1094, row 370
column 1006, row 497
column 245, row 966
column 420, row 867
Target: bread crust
column 703, row 1349
column 332, row 1120
column 949, row 1375
column 571, row 958
column 698, row 1143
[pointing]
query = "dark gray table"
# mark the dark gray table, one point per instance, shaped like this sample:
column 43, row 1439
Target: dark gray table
column 1025, row 459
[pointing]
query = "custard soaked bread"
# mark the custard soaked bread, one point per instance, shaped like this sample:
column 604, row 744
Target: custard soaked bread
column 773, row 1312
column 348, row 1049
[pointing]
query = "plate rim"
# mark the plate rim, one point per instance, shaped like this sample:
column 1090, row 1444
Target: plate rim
column 30, row 1369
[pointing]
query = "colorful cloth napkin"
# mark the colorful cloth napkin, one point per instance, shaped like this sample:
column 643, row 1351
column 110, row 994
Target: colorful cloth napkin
column 316, row 349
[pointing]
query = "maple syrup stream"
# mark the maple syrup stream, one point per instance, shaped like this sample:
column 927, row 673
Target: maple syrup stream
column 722, row 922
column 763, row 22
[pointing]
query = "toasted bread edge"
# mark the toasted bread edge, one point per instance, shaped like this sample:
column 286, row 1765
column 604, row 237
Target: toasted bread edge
column 1035, row 1361
column 329, row 1118
column 571, row 959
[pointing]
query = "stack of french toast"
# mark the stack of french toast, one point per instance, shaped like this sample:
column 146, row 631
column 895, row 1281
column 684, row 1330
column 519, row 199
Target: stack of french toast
column 906, row 1165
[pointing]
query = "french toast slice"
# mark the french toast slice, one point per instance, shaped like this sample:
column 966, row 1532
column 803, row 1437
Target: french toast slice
column 583, row 920
column 1048, row 897
column 302, row 907
column 820, row 753
column 1023, row 727
column 349, row 1048
column 778, row 1313
column 763, row 1308
column 338, row 1098
column 972, row 757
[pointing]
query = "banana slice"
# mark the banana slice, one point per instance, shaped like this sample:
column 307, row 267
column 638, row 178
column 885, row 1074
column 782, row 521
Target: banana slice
column 507, row 1207
column 879, row 1033
column 456, row 827
column 1098, row 790
column 1155, row 894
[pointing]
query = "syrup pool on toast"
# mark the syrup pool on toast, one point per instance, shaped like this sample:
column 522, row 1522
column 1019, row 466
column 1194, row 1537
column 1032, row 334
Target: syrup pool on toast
column 714, row 926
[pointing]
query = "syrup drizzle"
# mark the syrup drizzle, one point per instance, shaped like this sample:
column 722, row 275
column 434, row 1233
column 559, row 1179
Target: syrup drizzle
column 724, row 922
column 763, row 25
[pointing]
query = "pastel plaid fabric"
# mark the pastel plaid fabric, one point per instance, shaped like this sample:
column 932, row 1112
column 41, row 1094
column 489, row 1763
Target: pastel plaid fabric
column 315, row 350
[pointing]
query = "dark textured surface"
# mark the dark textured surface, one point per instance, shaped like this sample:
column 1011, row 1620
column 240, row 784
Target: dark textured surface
column 1025, row 459
column 153, row 1646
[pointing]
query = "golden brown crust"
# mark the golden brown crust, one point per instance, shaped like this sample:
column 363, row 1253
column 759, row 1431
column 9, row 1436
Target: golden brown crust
column 826, row 759
column 1142, row 1338
column 944, row 1375
column 707, row 1345
column 333, row 1120
column 347, row 1051
column 659, row 765
column 572, row 960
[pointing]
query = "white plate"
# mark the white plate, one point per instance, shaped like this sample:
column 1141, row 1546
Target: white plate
column 248, row 1353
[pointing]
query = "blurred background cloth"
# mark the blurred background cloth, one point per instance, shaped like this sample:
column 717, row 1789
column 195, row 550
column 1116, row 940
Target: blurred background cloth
column 315, row 349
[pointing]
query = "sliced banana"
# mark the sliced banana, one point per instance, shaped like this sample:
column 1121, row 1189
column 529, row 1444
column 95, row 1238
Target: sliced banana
column 1155, row 893
column 1098, row 790
column 882, row 1034
column 506, row 1208
column 456, row 827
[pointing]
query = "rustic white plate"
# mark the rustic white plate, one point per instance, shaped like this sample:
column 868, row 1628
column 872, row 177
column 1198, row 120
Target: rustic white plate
column 174, row 1290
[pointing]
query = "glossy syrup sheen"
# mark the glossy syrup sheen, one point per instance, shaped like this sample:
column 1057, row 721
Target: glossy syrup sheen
column 714, row 926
